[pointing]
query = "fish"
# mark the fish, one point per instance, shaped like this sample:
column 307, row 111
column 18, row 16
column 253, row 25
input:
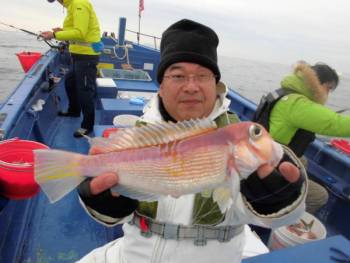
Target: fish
column 163, row 159
column 303, row 229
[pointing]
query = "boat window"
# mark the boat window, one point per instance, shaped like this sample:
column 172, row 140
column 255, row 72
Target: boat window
column 134, row 74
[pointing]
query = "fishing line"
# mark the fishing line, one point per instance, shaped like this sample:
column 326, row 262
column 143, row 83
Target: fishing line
column 271, row 194
column 297, row 162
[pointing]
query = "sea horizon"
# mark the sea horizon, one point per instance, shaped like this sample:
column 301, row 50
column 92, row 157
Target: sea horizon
column 251, row 78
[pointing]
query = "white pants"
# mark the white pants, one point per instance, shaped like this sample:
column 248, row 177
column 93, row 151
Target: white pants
column 109, row 252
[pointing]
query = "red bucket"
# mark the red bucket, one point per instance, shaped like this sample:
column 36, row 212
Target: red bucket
column 28, row 59
column 17, row 168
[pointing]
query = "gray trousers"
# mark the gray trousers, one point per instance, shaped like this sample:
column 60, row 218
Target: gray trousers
column 317, row 196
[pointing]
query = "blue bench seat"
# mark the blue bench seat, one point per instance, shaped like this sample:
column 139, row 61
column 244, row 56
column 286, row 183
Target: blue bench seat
column 130, row 85
column 113, row 107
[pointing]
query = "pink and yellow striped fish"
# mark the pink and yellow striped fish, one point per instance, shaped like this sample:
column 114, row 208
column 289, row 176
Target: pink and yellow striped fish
column 164, row 159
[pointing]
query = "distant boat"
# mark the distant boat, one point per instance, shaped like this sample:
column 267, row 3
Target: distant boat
column 32, row 230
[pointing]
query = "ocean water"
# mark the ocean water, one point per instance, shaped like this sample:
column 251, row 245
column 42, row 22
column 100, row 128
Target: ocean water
column 250, row 78
column 11, row 72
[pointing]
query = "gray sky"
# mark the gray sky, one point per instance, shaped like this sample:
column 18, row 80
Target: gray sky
column 282, row 31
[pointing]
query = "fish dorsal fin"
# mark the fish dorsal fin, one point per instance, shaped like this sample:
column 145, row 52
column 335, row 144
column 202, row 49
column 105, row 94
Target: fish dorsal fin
column 152, row 134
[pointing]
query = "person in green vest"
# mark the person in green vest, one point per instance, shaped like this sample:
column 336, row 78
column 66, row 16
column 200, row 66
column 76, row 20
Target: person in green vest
column 296, row 112
column 191, row 228
column 81, row 28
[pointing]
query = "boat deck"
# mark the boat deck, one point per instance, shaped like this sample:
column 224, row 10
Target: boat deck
column 59, row 232
column 34, row 230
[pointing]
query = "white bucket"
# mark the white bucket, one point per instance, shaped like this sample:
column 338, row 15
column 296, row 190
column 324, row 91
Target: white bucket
column 282, row 237
column 125, row 120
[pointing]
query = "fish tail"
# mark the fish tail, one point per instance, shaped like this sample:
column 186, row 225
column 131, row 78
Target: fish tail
column 57, row 172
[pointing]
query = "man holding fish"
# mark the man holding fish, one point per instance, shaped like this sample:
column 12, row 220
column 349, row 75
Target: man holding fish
column 198, row 146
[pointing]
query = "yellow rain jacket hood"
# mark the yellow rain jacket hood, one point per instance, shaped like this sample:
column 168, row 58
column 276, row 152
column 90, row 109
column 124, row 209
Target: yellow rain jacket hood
column 80, row 27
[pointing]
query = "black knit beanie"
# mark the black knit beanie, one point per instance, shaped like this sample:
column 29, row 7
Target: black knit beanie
column 188, row 41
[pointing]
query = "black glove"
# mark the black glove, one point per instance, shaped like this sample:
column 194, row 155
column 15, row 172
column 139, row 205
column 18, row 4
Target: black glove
column 271, row 194
column 105, row 203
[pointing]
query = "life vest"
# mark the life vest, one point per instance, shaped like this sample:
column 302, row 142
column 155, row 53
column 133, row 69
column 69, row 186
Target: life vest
column 203, row 203
column 301, row 138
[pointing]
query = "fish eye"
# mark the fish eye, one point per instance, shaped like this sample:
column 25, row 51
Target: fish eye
column 255, row 131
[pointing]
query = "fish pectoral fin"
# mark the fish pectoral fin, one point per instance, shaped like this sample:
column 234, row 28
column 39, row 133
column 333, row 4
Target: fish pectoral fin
column 223, row 197
column 134, row 194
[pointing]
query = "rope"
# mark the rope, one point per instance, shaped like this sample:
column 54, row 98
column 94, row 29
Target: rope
column 116, row 47
column 125, row 55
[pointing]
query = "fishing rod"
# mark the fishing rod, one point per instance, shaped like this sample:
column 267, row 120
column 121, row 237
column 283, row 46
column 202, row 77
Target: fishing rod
column 38, row 36
column 343, row 110
column 24, row 30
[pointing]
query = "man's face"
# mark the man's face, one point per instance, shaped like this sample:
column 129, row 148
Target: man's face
column 188, row 91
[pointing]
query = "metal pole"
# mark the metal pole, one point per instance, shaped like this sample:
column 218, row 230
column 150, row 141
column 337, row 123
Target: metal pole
column 121, row 31
column 138, row 33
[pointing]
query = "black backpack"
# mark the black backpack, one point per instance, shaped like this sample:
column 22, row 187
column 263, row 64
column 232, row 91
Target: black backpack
column 301, row 139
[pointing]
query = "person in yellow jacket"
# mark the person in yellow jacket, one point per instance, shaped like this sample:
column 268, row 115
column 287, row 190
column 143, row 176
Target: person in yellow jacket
column 81, row 29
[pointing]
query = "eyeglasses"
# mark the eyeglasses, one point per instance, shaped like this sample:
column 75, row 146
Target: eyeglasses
column 181, row 79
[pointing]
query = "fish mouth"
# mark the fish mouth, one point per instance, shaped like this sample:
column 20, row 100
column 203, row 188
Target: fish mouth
column 277, row 153
column 252, row 160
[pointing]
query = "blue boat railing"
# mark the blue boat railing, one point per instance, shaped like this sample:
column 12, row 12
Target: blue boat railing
column 153, row 39
column 138, row 34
